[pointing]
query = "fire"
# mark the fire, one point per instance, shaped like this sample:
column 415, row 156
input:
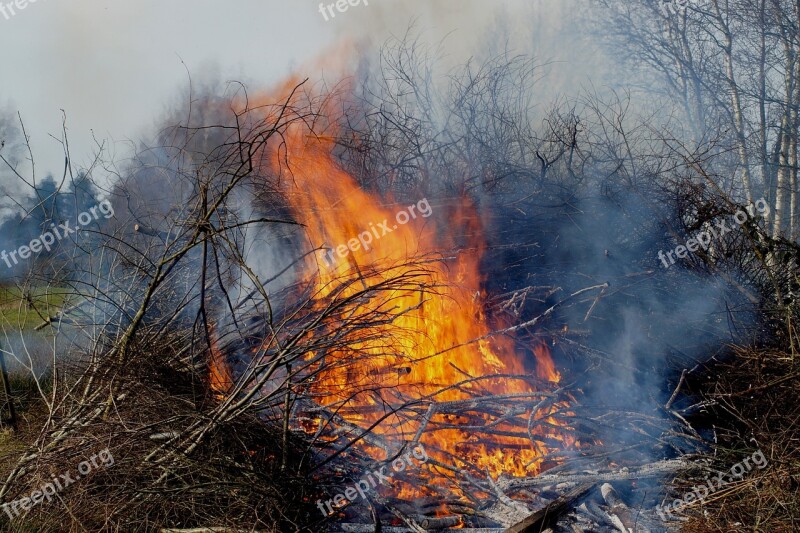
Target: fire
column 219, row 374
column 437, row 346
column 545, row 369
column 439, row 336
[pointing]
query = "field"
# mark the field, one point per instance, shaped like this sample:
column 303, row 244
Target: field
column 18, row 314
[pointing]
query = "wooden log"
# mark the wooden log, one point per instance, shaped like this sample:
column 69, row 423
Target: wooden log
column 621, row 511
column 439, row 522
column 656, row 469
column 549, row 515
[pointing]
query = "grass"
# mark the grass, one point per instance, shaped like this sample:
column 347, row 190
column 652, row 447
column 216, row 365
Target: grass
column 16, row 314
column 19, row 314
column 754, row 401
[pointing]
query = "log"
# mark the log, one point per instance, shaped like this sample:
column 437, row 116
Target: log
column 547, row 516
column 621, row 511
column 656, row 469
column 440, row 522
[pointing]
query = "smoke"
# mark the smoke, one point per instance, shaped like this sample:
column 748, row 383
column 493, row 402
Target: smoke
column 457, row 31
column 624, row 343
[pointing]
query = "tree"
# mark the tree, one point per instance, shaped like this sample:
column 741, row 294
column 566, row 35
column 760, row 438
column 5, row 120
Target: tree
column 732, row 67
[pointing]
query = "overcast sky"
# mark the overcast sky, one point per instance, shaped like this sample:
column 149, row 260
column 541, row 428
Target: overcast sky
column 115, row 66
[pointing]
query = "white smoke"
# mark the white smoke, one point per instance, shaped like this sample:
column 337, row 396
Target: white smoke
column 552, row 31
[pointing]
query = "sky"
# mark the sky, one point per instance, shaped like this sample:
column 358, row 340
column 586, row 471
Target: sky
column 112, row 68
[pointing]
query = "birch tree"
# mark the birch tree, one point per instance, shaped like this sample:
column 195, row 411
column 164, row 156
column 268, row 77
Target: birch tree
column 731, row 68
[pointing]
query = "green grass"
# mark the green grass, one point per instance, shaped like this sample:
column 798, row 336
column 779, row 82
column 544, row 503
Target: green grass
column 16, row 314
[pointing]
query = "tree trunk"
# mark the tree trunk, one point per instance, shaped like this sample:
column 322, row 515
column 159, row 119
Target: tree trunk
column 736, row 107
column 786, row 150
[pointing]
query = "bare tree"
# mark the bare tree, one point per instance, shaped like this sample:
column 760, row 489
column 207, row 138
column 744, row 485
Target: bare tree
column 730, row 64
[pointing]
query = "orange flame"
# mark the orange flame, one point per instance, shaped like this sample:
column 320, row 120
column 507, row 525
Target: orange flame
column 436, row 339
column 219, row 374
column 437, row 344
